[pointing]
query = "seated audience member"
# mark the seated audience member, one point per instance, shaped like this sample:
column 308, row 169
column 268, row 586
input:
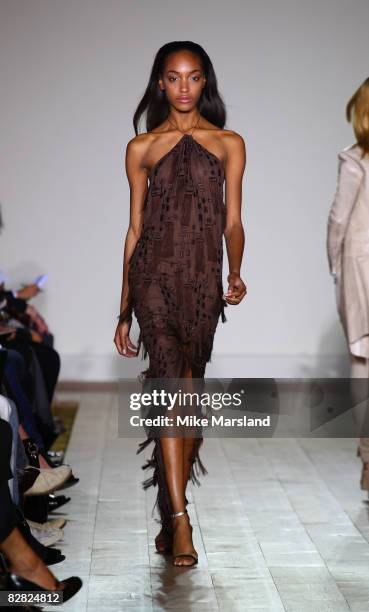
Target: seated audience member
column 22, row 568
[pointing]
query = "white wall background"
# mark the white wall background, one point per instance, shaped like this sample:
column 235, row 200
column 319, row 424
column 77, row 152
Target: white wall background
column 72, row 73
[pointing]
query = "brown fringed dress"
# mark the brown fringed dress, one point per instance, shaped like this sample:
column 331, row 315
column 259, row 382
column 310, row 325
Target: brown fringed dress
column 175, row 279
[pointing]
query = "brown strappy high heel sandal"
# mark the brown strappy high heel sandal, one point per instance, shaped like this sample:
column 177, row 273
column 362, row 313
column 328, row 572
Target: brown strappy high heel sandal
column 164, row 539
column 191, row 554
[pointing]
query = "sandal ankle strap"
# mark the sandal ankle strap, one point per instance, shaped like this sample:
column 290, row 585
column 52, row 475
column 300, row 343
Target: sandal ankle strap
column 179, row 513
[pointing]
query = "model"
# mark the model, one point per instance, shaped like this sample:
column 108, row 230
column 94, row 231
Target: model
column 173, row 256
column 348, row 255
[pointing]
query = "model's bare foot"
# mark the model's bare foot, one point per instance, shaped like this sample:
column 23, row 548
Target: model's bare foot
column 182, row 541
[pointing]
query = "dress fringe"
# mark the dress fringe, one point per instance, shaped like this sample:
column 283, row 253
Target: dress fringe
column 195, row 352
column 158, row 478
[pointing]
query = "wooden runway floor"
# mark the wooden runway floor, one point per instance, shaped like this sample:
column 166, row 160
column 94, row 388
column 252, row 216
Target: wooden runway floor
column 279, row 524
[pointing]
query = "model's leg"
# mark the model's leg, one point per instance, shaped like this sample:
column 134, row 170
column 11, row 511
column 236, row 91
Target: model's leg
column 173, row 451
column 193, row 442
column 173, row 456
column 164, row 539
column 167, row 362
column 189, row 446
column 168, row 461
column 360, row 393
column 176, row 455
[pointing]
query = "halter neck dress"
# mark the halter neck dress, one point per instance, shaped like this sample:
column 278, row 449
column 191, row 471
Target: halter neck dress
column 175, row 278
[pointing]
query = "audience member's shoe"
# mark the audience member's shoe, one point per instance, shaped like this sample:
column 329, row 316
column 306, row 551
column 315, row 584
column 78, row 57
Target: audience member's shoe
column 57, row 523
column 53, row 556
column 4, row 575
column 47, row 537
column 50, row 556
column 55, row 457
column 69, row 586
column 57, row 501
column 72, row 480
column 48, row 481
column 33, row 453
column 31, row 479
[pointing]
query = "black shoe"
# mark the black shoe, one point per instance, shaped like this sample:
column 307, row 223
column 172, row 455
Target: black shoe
column 57, row 501
column 4, row 586
column 50, row 556
column 72, row 480
column 36, row 508
column 55, row 457
column 69, row 586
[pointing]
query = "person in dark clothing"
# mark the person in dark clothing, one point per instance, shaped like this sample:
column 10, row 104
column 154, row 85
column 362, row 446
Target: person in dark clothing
column 25, row 570
column 8, row 518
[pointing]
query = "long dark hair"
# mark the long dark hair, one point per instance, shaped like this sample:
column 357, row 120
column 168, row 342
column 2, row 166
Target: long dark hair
column 154, row 102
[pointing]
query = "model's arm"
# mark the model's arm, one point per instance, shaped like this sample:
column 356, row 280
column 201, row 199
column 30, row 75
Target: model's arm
column 233, row 232
column 137, row 179
column 350, row 175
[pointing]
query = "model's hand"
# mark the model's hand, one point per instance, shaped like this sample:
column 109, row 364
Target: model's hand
column 123, row 342
column 236, row 289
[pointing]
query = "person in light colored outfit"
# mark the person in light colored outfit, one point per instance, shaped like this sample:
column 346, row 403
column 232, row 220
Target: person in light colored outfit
column 348, row 257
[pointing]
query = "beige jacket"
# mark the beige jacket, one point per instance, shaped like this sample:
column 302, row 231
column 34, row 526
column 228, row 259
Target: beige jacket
column 348, row 247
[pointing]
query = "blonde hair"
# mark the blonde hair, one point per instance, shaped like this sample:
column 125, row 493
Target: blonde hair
column 357, row 109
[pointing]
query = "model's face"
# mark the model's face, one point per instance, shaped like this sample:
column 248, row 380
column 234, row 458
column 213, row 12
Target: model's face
column 183, row 80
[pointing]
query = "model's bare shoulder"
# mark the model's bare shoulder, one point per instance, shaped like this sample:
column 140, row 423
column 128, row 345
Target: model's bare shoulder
column 233, row 139
column 137, row 145
column 234, row 145
column 136, row 150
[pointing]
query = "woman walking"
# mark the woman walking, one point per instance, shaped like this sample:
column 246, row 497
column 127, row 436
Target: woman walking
column 348, row 256
column 173, row 257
